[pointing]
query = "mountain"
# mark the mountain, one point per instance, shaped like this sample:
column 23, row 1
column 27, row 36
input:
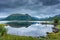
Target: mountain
column 27, row 17
column 51, row 18
column 22, row 17
column 1, row 19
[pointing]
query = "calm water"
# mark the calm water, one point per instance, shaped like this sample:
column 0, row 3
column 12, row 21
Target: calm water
column 34, row 29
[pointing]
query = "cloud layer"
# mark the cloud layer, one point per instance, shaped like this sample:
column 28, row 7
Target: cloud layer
column 38, row 8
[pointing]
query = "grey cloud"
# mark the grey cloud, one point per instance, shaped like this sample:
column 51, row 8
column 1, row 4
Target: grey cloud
column 50, row 2
column 17, row 3
column 32, row 7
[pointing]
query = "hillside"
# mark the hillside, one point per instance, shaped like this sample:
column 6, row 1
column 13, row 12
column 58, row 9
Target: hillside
column 27, row 17
column 22, row 17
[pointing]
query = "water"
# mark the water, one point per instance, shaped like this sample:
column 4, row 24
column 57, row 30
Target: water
column 34, row 29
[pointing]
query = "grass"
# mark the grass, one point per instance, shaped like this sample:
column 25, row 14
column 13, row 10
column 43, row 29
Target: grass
column 14, row 37
column 53, row 36
column 58, row 26
column 50, row 36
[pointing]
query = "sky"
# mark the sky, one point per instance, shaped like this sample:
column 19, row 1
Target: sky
column 36, row 8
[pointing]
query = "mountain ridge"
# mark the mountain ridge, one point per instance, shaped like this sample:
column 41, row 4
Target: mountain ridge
column 23, row 17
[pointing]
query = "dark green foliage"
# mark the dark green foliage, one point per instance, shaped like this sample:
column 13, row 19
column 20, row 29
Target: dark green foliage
column 3, row 30
column 19, row 17
column 56, row 20
column 22, row 17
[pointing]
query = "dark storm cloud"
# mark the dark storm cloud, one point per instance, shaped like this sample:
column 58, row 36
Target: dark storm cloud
column 32, row 7
column 17, row 3
column 50, row 2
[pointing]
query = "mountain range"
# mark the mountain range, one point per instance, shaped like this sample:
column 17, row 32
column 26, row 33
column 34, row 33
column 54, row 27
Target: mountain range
column 52, row 18
column 27, row 17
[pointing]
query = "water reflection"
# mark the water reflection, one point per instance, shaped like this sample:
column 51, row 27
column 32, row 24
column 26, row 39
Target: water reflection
column 20, row 24
column 32, row 29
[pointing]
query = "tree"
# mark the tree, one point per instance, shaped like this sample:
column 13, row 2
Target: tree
column 56, row 20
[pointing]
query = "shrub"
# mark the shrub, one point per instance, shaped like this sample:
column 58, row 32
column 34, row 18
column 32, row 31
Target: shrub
column 3, row 30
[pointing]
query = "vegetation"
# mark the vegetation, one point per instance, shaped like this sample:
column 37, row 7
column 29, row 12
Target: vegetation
column 22, row 17
column 51, row 36
column 58, row 26
column 56, row 20
column 3, row 30
column 13, row 37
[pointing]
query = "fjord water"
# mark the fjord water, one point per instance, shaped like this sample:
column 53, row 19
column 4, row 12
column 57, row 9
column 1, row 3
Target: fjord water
column 34, row 29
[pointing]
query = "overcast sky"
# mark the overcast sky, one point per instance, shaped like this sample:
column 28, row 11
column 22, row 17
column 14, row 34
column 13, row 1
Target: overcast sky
column 38, row 8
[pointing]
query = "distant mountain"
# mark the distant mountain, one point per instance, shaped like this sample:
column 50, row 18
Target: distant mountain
column 22, row 17
column 1, row 19
column 27, row 17
column 51, row 18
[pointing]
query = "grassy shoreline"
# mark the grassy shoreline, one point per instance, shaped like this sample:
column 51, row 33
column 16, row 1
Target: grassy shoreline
column 14, row 37
column 50, row 36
